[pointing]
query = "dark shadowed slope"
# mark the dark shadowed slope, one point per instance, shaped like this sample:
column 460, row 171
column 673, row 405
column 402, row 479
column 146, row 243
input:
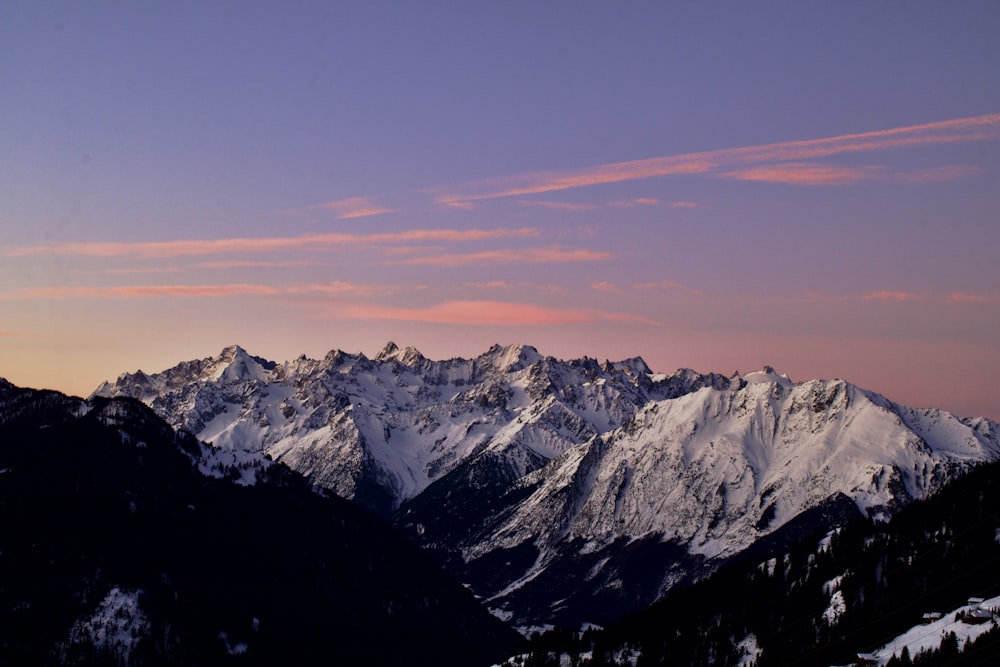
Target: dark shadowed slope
column 114, row 546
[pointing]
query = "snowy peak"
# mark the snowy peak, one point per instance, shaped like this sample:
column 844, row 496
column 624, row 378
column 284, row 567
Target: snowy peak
column 381, row 430
column 234, row 364
column 510, row 358
column 635, row 366
column 768, row 375
column 409, row 356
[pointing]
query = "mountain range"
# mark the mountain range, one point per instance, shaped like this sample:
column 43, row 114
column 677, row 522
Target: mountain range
column 566, row 491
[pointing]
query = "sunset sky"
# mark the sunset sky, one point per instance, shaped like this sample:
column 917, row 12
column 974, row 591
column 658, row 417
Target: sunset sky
column 719, row 185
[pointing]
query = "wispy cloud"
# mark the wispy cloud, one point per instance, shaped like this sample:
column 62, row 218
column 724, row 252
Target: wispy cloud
column 890, row 295
column 556, row 205
column 492, row 284
column 938, row 174
column 493, row 313
column 605, row 286
column 354, row 207
column 247, row 264
column 201, row 247
column 882, row 295
column 637, row 201
column 668, row 285
column 549, row 255
column 683, row 204
column 234, row 264
column 129, row 270
column 201, row 291
column 979, row 128
column 804, row 173
column 966, row 297
column 808, row 173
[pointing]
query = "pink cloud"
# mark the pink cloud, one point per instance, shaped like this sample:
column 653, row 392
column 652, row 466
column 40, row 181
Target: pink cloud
column 889, row 295
column 638, row 201
column 965, row 297
column 188, row 248
column 492, row 313
column 237, row 289
column 804, row 173
column 234, row 264
column 683, row 204
column 141, row 291
column 875, row 295
column 454, row 201
column 354, row 207
column 938, row 174
column 979, row 128
column 341, row 287
column 241, row 264
column 551, row 255
column 605, row 286
column 129, row 270
column 493, row 284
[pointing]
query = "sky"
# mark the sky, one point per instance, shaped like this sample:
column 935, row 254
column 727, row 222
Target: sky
column 717, row 186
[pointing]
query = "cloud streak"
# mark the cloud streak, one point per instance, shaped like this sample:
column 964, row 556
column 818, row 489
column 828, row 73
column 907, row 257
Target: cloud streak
column 901, row 296
column 804, row 173
column 637, row 201
column 556, row 205
column 549, row 255
column 966, row 297
column 605, row 286
column 354, row 207
column 201, row 291
column 668, row 285
column 890, row 295
column 203, row 247
column 493, row 313
column 978, row 128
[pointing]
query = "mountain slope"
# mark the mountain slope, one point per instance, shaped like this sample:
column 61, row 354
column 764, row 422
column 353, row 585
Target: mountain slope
column 864, row 588
column 612, row 524
column 116, row 549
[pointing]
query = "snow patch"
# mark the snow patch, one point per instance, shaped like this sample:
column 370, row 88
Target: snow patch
column 115, row 627
column 928, row 636
column 749, row 651
column 835, row 609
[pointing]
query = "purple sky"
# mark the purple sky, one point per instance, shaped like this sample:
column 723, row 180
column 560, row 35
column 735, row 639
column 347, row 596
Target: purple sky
column 709, row 185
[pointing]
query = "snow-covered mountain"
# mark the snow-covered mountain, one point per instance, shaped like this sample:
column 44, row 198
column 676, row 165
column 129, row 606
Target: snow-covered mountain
column 570, row 490
column 381, row 430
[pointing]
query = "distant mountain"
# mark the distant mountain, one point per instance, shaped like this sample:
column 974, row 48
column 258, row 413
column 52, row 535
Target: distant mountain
column 116, row 549
column 571, row 491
